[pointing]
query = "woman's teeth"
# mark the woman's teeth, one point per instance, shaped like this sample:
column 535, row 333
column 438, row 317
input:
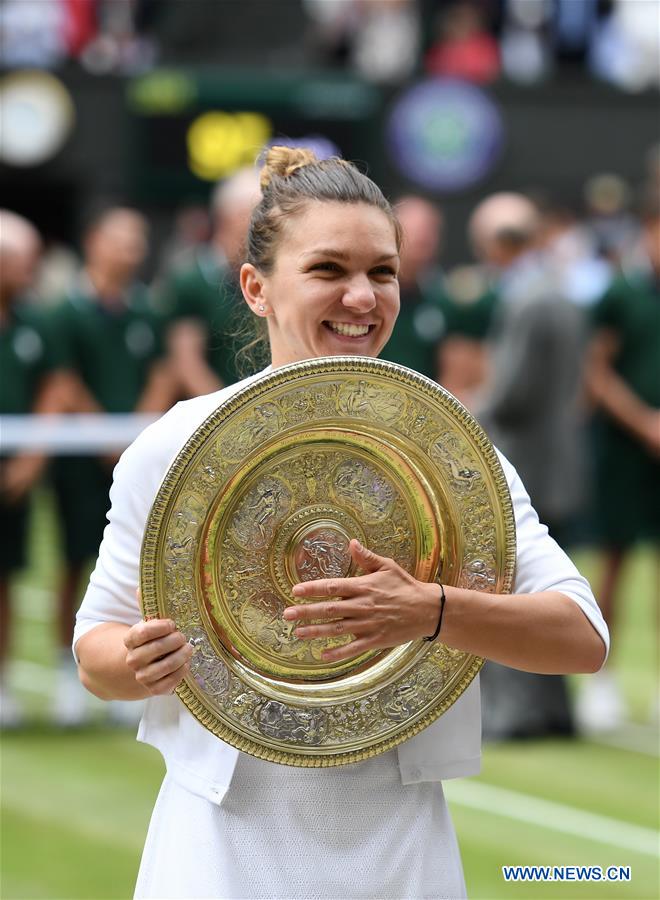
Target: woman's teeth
column 348, row 330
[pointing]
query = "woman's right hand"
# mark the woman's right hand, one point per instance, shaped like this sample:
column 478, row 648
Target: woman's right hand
column 158, row 654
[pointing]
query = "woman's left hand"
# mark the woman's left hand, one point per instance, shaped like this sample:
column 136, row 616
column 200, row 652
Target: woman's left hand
column 383, row 608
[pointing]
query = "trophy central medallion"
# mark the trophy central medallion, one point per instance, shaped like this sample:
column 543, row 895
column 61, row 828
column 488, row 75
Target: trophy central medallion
column 321, row 551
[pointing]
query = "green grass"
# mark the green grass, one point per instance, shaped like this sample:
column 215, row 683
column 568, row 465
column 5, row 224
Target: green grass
column 586, row 775
column 609, row 782
column 75, row 810
column 634, row 650
column 76, row 805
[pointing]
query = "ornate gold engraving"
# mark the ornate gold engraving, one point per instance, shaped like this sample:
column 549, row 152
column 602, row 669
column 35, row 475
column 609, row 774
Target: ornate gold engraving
column 268, row 492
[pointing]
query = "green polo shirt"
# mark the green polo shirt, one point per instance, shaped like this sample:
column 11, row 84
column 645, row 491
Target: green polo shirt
column 418, row 331
column 206, row 291
column 473, row 318
column 25, row 358
column 429, row 314
column 627, row 476
column 111, row 349
column 631, row 308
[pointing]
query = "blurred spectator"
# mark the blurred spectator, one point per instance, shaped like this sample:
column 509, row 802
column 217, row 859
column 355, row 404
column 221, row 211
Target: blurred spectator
column 525, row 41
column 192, row 229
column 26, row 386
column 614, row 230
column 203, row 301
column 570, row 250
column 626, row 46
column 379, row 39
column 386, row 42
column 110, row 342
column 624, row 382
column 531, row 411
column 464, row 47
column 532, row 405
column 421, row 324
column 331, row 24
column 58, row 272
column 442, row 324
column 106, row 35
column 471, row 304
column 574, row 26
column 121, row 42
column 32, row 33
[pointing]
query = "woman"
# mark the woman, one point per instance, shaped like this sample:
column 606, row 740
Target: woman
column 323, row 251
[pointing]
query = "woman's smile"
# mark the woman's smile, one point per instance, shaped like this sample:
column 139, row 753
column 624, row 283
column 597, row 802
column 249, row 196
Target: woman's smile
column 349, row 329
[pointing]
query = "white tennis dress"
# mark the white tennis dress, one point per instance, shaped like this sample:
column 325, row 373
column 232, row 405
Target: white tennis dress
column 347, row 832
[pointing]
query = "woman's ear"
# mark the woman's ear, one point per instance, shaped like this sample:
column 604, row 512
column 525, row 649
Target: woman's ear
column 252, row 285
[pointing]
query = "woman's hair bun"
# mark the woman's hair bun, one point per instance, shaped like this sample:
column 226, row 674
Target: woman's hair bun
column 284, row 161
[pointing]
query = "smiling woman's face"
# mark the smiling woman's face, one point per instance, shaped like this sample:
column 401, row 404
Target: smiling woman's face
column 333, row 289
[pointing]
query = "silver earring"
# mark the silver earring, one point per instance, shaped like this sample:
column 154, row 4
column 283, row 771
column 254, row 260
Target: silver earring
column 262, row 308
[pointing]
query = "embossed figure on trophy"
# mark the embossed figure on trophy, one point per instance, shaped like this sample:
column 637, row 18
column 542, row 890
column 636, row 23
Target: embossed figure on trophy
column 479, row 575
column 348, row 483
column 191, row 513
column 397, row 537
column 464, row 477
column 313, row 467
column 358, row 401
column 209, row 672
column 186, row 520
column 180, row 549
column 418, row 424
column 266, row 508
column 399, row 702
column 210, row 473
column 249, row 570
column 323, row 556
column 365, row 489
column 262, row 424
column 368, row 401
column 262, row 619
column 282, row 722
column 265, row 422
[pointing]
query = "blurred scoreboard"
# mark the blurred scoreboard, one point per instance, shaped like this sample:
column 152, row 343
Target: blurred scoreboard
column 191, row 128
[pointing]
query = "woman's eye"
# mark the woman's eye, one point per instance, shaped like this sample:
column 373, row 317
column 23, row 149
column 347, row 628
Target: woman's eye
column 384, row 270
column 325, row 267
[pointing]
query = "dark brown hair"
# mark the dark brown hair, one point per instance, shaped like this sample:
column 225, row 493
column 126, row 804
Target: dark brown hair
column 292, row 177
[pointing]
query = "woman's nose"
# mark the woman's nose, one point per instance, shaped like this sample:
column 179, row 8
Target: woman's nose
column 359, row 295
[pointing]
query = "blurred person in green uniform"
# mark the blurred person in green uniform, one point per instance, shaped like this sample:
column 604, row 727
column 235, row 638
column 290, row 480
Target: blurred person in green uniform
column 191, row 231
column 422, row 322
column 531, row 408
column 471, row 304
column 109, row 340
column 439, row 331
column 202, row 299
column 624, row 382
column 27, row 385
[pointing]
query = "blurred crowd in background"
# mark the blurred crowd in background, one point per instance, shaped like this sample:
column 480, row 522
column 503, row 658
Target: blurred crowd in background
column 549, row 333
column 384, row 41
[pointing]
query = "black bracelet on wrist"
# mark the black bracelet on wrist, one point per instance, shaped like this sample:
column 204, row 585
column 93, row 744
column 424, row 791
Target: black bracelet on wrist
column 443, row 598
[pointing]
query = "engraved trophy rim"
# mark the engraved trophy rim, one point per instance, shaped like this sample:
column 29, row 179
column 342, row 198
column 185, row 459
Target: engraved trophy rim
column 433, row 479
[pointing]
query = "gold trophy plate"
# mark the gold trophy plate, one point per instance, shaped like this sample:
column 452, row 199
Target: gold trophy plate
column 267, row 493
